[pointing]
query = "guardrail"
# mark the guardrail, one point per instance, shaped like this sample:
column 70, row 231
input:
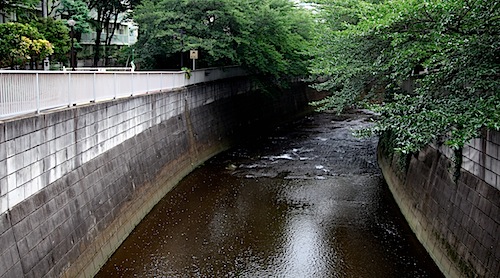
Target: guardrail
column 24, row 92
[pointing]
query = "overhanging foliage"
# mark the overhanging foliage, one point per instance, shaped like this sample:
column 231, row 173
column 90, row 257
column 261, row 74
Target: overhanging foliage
column 449, row 48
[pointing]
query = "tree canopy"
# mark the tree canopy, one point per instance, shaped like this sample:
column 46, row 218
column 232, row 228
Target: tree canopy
column 57, row 33
column 269, row 37
column 434, row 64
column 78, row 11
column 22, row 43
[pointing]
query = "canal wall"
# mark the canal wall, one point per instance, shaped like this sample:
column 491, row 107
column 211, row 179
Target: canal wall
column 455, row 217
column 75, row 182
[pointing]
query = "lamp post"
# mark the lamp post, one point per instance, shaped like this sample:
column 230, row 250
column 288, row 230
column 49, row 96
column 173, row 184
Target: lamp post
column 71, row 24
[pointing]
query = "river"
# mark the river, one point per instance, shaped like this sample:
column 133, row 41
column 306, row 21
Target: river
column 305, row 201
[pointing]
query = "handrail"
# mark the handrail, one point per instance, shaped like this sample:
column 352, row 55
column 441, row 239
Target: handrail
column 99, row 69
column 24, row 92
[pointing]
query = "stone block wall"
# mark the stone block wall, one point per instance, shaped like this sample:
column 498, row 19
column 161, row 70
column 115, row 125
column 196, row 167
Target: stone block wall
column 75, row 182
column 482, row 158
column 457, row 219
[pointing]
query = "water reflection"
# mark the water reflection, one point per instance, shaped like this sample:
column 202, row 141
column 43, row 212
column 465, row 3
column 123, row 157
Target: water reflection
column 308, row 202
column 304, row 253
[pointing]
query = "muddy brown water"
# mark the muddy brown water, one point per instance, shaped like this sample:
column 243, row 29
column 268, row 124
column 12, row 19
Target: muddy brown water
column 307, row 201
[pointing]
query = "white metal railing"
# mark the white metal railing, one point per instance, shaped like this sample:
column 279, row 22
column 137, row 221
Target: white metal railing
column 99, row 69
column 23, row 92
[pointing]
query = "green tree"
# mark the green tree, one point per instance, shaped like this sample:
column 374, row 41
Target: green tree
column 34, row 50
column 268, row 37
column 79, row 12
column 275, row 39
column 447, row 50
column 170, row 27
column 57, row 32
column 22, row 43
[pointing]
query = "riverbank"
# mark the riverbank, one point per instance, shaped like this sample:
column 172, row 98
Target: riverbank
column 457, row 218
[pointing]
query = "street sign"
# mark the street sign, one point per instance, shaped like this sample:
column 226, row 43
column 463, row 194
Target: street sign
column 193, row 54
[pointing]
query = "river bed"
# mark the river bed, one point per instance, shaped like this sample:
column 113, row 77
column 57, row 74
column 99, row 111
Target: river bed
column 305, row 201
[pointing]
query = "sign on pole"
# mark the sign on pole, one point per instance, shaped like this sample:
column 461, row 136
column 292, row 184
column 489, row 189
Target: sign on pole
column 193, row 54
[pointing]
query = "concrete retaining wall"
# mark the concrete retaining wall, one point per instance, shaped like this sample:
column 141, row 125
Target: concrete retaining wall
column 457, row 220
column 75, row 182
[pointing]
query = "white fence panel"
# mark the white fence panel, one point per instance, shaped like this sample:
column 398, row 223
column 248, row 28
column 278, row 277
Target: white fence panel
column 169, row 80
column 124, row 84
column 23, row 92
column 105, row 84
column 140, row 83
column 178, row 80
column 156, row 82
column 18, row 94
column 53, row 89
column 196, row 77
column 81, row 88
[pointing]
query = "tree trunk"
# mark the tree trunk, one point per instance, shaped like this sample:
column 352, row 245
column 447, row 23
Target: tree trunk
column 109, row 36
column 97, row 44
column 105, row 49
column 44, row 9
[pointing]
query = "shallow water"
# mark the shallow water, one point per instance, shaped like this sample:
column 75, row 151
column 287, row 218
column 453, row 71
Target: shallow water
column 307, row 201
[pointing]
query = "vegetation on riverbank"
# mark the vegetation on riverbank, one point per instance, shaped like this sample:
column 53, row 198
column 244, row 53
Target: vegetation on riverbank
column 430, row 68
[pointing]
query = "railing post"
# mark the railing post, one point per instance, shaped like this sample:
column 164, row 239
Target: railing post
column 147, row 83
column 161, row 82
column 94, row 85
column 37, row 94
column 114, row 83
column 132, row 92
column 69, row 89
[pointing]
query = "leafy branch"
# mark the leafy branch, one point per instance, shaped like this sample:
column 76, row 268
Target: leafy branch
column 455, row 42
